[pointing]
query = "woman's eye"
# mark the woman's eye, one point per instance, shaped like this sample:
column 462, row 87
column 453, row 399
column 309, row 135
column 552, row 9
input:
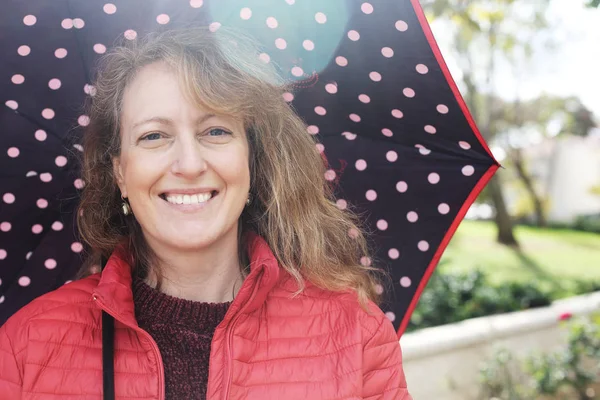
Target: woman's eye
column 152, row 136
column 218, row 132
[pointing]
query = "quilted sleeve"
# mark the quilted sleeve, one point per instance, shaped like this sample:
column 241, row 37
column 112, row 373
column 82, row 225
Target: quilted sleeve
column 383, row 376
column 10, row 373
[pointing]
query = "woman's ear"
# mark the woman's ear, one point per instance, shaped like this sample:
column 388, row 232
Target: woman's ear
column 118, row 174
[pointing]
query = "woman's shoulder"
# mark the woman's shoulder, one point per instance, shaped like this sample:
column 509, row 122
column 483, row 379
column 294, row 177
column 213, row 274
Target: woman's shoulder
column 63, row 304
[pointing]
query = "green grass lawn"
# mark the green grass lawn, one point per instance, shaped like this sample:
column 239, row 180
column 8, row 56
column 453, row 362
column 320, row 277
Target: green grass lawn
column 555, row 258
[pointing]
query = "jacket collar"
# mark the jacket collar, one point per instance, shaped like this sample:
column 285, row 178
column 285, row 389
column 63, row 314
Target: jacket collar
column 115, row 295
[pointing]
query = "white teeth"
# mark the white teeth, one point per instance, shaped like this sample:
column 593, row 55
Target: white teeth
column 189, row 199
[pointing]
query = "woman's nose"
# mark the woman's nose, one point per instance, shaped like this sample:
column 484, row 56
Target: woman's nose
column 189, row 159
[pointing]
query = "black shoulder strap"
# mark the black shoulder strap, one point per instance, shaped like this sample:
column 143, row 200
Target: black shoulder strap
column 108, row 351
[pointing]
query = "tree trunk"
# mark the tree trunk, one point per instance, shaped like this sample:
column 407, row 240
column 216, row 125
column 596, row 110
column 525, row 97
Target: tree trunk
column 502, row 218
column 540, row 216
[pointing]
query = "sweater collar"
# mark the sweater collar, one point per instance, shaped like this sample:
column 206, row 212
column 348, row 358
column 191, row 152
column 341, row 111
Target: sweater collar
column 114, row 291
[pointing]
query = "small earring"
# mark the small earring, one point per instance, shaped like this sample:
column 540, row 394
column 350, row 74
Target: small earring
column 249, row 200
column 125, row 207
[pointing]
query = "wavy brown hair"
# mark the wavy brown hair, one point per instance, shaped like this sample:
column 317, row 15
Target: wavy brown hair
column 293, row 205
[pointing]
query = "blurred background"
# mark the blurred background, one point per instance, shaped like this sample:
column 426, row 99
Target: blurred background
column 511, row 312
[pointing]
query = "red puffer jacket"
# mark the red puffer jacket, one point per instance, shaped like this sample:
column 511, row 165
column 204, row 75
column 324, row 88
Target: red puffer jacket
column 317, row 345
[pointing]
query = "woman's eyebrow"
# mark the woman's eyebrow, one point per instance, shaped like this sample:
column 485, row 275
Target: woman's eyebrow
column 168, row 121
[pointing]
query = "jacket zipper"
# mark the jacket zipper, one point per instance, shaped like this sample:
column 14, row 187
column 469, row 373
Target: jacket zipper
column 161, row 379
column 229, row 344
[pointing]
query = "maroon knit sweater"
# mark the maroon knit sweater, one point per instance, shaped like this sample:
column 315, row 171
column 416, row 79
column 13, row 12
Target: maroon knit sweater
column 183, row 330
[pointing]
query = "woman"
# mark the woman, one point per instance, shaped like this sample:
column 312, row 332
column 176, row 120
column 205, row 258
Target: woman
column 231, row 272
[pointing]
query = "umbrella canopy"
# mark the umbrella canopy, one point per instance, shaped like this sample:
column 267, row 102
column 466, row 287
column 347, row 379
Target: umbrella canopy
column 371, row 85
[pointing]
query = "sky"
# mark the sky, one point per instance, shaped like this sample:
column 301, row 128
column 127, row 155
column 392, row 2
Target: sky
column 571, row 68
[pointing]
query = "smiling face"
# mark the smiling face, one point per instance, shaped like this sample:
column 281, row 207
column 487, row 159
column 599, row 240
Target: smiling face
column 184, row 171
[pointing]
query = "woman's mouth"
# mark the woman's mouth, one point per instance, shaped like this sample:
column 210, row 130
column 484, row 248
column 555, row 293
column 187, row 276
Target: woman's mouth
column 197, row 198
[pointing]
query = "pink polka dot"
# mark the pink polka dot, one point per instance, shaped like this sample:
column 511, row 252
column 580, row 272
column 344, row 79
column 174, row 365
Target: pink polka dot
column 341, row 61
column 375, row 76
column 382, row 225
column 424, row 151
column 401, row 25
column 297, row 71
column 28, row 255
column 320, row 110
column 408, row 92
column 12, row 104
column 464, row 145
column 444, row 208
column 433, row 178
column 468, row 170
column 391, row 156
column 24, row 50
column 280, row 43
column 130, row 34
column 320, row 147
column 412, row 216
column 29, row 20
column 353, row 35
column 364, row 98
column 312, row 129
column 430, row 129
column 360, row 165
column 330, row 175
column 349, row 135
column 401, row 186
column 67, row 23
column 320, row 18
column 76, row 247
column 31, row 173
column 367, row 8
column 78, row 183
column 397, row 113
column 57, row 226
column 46, row 177
column 17, row 79
column 196, row 3
column 8, row 198
column 272, row 23
column 365, row 261
column 378, row 289
column 422, row 69
column 405, row 281
column 42, row 203
column 37, row 229
column 61, row 161
column 60, row 53
column 83, row 120
column 50, row 263
column 78, row 23
column 41, row 135
column 387, row 52
column 54, row 84
column 423, row 245
column 442, row 109
column 391, row 316
column 1, row 299
column 341, row 204
column 308, row 45
column 245, row 13
column 3, row 254
column 100, row 48
column 13, row 152
column 287, row 96
column 24, row 281
column 78, row 146
column 331, row 88
column 387, row 132
column 371, row 195
column 355, row 117
column 109, row 8
column 5, row 226
column 393, row 254
column 48, row 113
column 353, row 233
column 264, row 57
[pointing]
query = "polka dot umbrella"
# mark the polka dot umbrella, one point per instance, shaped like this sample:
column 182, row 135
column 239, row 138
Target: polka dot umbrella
column 371, row 85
